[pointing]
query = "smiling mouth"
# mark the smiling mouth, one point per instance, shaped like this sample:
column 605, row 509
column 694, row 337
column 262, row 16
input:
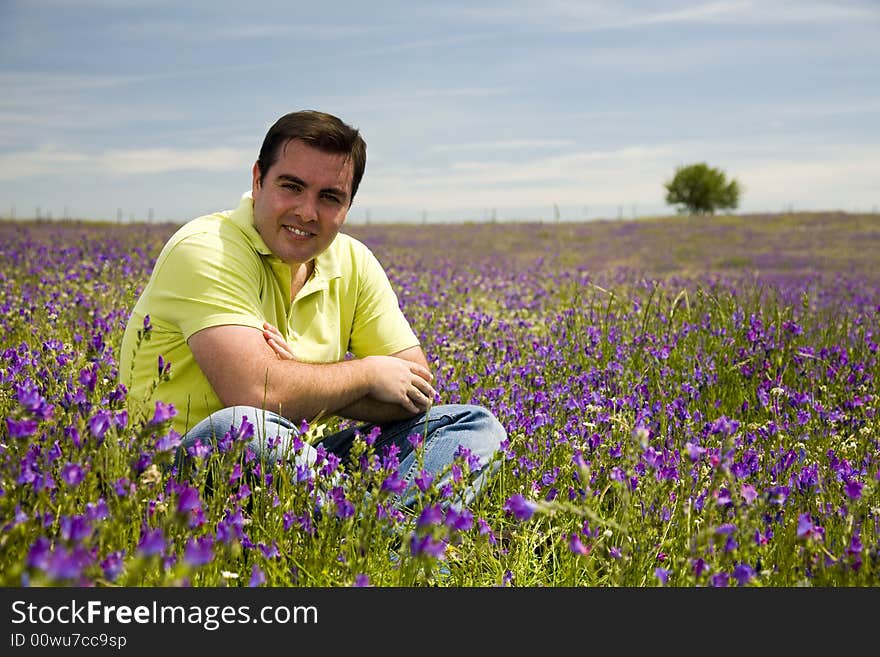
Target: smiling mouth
column 298, row 231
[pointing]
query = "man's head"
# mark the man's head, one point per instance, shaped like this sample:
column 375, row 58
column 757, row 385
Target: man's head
column 319, row 130
column 304, row 182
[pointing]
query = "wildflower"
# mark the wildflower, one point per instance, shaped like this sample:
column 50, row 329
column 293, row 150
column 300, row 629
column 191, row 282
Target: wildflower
column 75, row 528
column 66, row 564
column 743, row 574
column 427, row 545
column 199, row 552
column 576, row 545
column 806, row 528
column 486, row 530
column 21, row 428
column 258, row 577
column 430, row 516
column 163, row 412
column 152, row 542
column 662, row 574
column 38, row 555
column 188, row 500
column 235, row 475
column 853, row 489
column 122, row 486
column 269, row 551
column 460, row 521
column 72, row 474
column 199, row 450
column 521, row 508
column 423, row 480
column 99, row 424
column 373, row 435
column 748, row 493
column 170, row 441
column 112, row 565
column 719, row 580
column 394, row 483
column 416, row 440
column 344, row 507
column 361, row 580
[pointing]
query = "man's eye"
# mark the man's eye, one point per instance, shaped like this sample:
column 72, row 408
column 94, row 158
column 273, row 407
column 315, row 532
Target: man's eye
column 292, row 187
column 331, row 198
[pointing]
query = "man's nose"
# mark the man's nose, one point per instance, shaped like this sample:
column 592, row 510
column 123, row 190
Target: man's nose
column 307, row 208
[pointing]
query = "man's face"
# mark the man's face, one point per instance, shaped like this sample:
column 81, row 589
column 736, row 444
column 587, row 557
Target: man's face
column 302, row 201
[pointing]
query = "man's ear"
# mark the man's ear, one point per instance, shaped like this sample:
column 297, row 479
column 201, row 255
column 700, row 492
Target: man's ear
column 256, row 175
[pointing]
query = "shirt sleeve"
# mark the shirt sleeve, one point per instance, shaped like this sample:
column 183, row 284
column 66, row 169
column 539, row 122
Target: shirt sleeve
column 379, row 327
column 204, row 280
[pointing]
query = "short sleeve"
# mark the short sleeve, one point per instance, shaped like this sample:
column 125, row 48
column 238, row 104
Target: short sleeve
column 379, row 326
column 204, row 280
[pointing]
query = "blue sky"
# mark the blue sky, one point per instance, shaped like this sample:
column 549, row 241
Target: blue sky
column 471, row 110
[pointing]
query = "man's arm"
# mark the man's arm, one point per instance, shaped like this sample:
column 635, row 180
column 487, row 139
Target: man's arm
column 244, row 369
column 368, row 409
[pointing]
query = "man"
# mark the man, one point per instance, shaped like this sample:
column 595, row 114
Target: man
column 224, row 282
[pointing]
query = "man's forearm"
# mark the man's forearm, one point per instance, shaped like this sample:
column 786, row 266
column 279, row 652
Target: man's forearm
column 370, row 410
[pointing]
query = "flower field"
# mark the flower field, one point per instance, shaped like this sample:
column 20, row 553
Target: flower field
column 690, row 402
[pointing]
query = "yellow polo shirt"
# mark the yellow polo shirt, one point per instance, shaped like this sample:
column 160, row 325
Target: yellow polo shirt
column 217, row 270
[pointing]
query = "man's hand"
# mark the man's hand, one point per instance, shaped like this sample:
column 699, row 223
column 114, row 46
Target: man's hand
column 395, row 379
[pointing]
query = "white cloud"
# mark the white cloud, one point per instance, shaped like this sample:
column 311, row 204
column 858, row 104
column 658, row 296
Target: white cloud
column 54, row 161
column 501, row 145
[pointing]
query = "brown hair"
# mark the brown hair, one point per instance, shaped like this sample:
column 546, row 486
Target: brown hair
column 320, row 130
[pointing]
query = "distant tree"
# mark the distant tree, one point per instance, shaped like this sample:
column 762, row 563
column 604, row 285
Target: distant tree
column 700, row 189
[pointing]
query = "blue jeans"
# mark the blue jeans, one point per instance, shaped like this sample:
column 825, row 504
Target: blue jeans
column 448, row 427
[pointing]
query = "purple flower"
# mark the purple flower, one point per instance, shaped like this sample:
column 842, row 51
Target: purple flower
column 460, row 521
column 163, row 413
column 853, row 489
column 662, row 574
column 100, row 423
column 38, row 555
column 64, row 564
column 121, row 486
column 394, row 483
column 188, row 500
column 427, row 545
column 258, row 577
column 199, row 552
column 806, row 528
column 168, row 442
column 415, row 439
column 576, row 545
column 361, row 580
column 430, row 516
column 21, row 428
column 74, row 528
column 749, row 493
column 743, row 574
column 423, row 480
column 199, row 450
column 152, row 542
column 719, row 580
column 344, row 507
column 269, row 551
column 72, row 474
column 521, row 508
column 112, row 565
